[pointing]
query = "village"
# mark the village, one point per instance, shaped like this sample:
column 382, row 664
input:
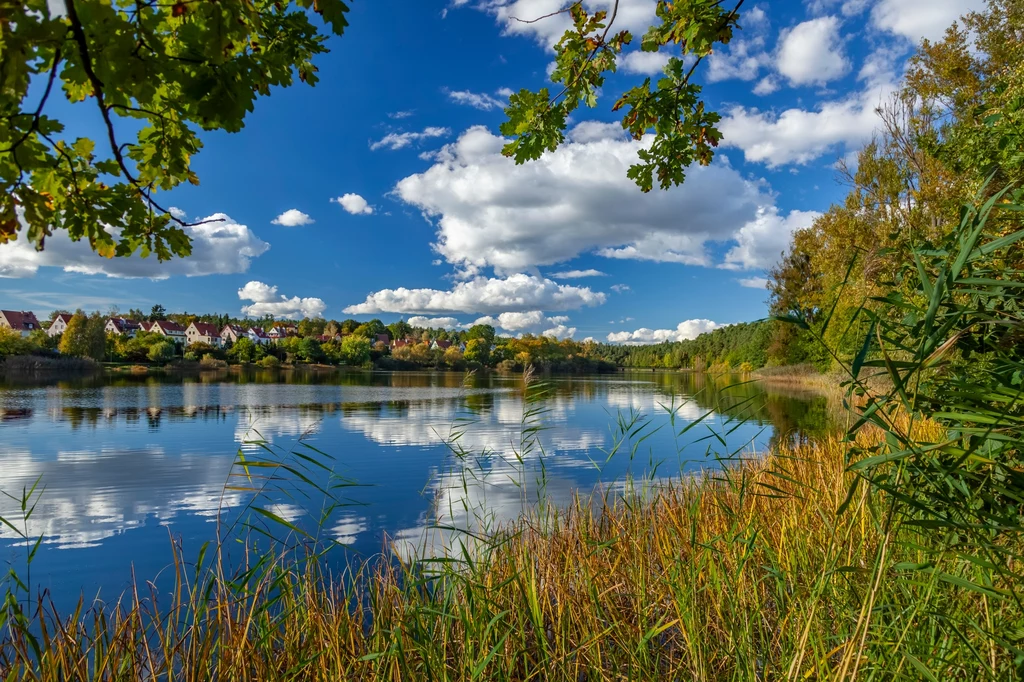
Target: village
column 26, row 322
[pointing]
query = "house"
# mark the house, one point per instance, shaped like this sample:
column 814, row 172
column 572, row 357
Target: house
column 203, row 332
column 231, row 333
column 442, row 344
column 172, row 330
column 282, row 331
column 59, row 324
column 383, row 338
column 258, row 336
column 324, row 338
column 119, row 325
column 23, row 322
column 400, row 343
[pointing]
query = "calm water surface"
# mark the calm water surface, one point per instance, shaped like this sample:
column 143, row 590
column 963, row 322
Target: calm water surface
column 129, row 463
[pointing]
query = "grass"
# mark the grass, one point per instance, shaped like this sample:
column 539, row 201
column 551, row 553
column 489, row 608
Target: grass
column 749, row 573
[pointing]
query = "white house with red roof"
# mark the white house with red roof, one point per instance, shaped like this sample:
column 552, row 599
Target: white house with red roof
column 59, row 324
column 231, row 333
column 171, row 330
column 120, row 325
column 203, row 332
column 257, row 335
column 21, row 321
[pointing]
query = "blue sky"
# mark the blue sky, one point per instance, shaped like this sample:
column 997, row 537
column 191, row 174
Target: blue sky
column 392, row 200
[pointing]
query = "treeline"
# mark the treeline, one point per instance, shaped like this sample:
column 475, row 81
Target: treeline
column 741, row 347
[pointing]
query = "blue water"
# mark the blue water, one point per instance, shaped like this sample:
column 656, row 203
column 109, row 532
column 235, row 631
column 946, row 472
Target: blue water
column 131, row 464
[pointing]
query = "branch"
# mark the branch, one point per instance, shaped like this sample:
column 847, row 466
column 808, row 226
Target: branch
column 42, row 103
column 83, row 47
column 548, row 16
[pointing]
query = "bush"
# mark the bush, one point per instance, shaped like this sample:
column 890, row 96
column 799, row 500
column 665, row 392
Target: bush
column 269, row 362
column 161, row 352
column 210, row 362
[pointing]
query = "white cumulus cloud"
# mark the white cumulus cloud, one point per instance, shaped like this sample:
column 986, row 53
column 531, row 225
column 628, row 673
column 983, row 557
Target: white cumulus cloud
column 532, row 322
column 293, row 217
column 219, row 247
column 354, row 204
column 811, row 53
column 644, row 63
column 688, row 329
column 516, row 16
column 478, row 100
column 576, row 274
column 753, row 282
column 435, row 322
column 917, row 19
column 801, row 135
column 395, row 141
column 489, row 212
column 516, row 293
column 761, row 242
column 266, row 301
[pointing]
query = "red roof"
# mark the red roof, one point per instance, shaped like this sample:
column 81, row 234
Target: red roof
column 123, row 324
column 444, row 344
column 66, row 317
column 258, row 332
column 206, row 329
column 167, row 326
column 21, row 320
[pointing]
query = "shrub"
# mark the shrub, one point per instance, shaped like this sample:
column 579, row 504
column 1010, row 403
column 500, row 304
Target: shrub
column 269, row 362
column 210, row 362
column 161, row 352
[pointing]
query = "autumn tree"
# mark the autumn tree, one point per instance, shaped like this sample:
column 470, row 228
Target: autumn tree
column 951, row 130
column 478, row 350
column 355, row 350
column 84, row 337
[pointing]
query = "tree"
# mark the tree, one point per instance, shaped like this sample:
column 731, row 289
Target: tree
column 481, row 331
column 136, row 315
column 400, row 329
column 478, row 350
column 309, row 350
column 162, row 70
column 59, row 311
column 355, row 350
column 161, row 352
column 682, row 126
column 243, row 350
column 12, row 343
column 84, row 337
column 157, row 312
column 312, row 326
column 370, row 329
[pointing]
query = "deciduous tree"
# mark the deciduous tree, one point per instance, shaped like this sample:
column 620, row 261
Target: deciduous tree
column 153, row 74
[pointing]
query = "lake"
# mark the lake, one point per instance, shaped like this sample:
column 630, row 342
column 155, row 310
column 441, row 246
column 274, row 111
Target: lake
column 130, row 463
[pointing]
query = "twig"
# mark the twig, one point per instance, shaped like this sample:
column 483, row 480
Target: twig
column 42, row 103
column 548, row 16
